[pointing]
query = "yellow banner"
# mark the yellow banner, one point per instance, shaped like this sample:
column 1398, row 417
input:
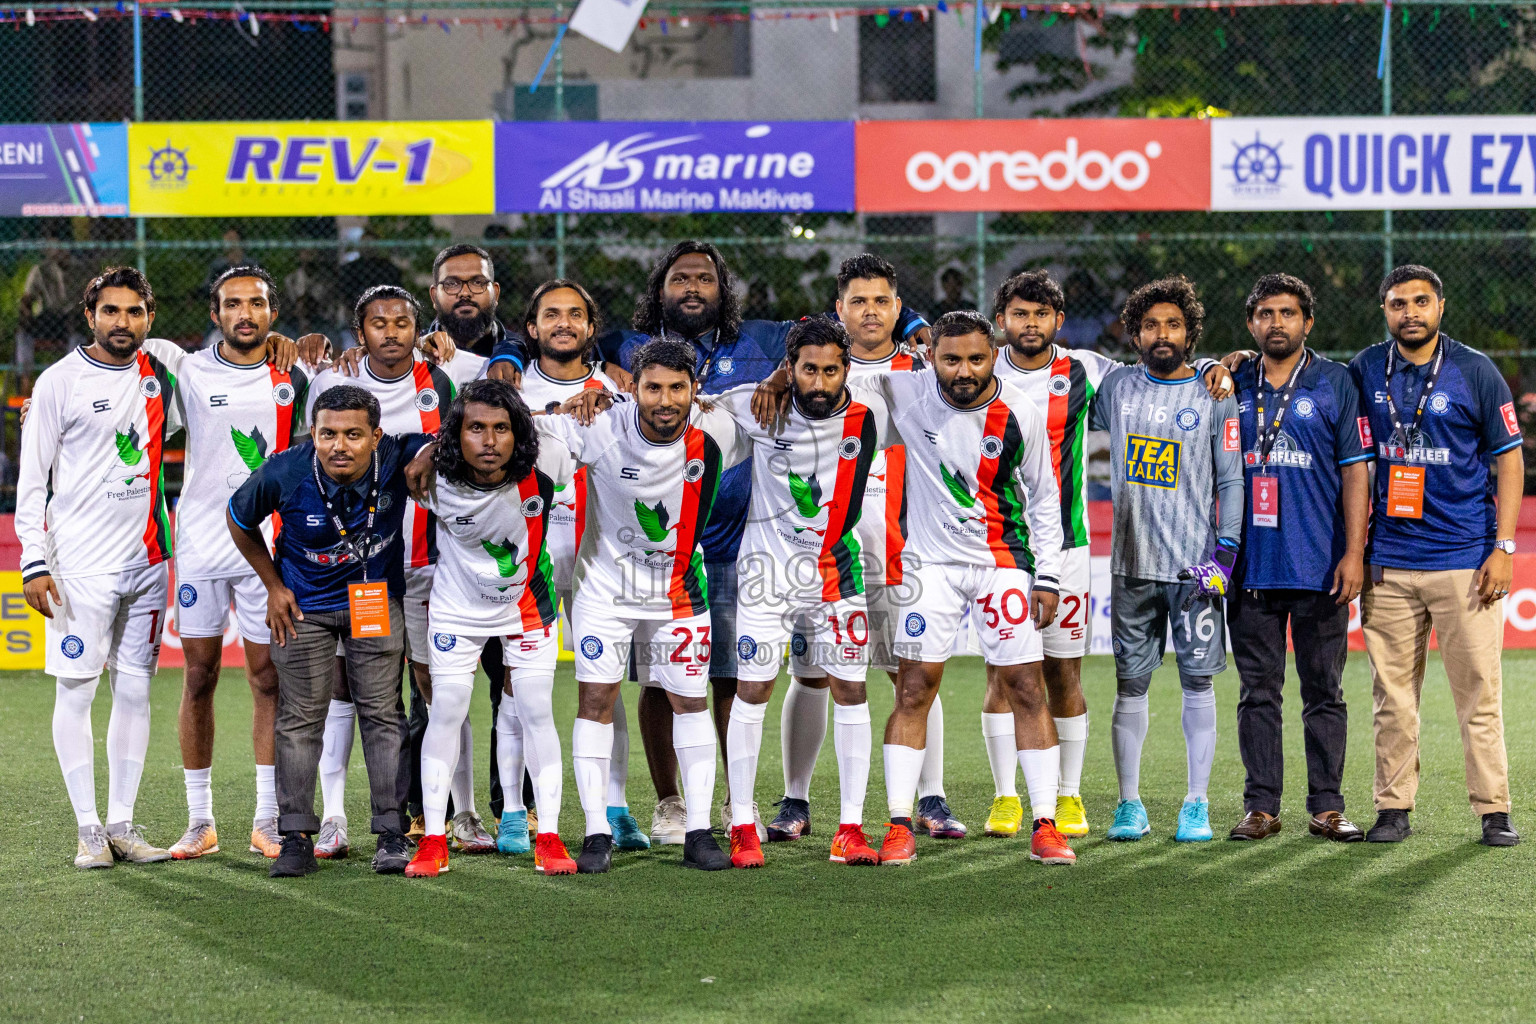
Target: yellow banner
column 21, row 628
column 310, row 168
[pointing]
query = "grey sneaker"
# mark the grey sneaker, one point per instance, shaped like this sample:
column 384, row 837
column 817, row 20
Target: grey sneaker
column 94, row 851
column 469, row 835
column 331, row 843
column 128, row 843
column 757, row 818
column 669, row 825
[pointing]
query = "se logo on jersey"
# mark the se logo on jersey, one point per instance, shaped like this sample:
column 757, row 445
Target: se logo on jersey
column 1152, row 461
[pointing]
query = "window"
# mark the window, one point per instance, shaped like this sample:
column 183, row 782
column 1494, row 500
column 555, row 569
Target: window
column 898, row 61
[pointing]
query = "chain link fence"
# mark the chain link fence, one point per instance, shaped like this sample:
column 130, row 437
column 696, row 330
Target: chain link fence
column 718, row 60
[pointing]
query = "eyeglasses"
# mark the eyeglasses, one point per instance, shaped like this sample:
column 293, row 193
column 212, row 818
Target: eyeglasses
column 453, row 286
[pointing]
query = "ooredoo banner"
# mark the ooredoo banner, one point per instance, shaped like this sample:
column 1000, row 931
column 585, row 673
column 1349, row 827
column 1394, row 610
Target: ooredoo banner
column 1042, row 164
column 674, row 166
column 1373, row 163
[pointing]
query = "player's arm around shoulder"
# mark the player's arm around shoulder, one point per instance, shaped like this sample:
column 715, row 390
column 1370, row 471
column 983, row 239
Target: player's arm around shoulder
column 727, row 418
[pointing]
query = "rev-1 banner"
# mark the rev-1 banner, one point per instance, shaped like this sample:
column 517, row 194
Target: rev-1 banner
column 1373, row 163
column 674, row 166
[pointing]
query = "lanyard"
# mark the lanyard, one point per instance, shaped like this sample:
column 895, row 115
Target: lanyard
column 1269, row 433
column 1399, row 435
column 373, row 504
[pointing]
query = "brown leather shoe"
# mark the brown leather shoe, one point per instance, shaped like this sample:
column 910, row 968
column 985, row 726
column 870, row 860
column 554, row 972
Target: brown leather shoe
column 1255, row 825
column 1334, row 826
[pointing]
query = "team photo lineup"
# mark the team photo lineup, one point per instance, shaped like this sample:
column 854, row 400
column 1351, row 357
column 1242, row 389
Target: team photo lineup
column 689, row 502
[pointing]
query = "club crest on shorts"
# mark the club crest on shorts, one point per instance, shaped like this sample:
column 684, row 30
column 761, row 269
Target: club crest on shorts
column 1187, row 419
column 282, row 393
column 746, row 648
column 149, row 387
column 444, row 641
column 1305, row 407
column 533, row 506
column 915, row 624
column 1059, row 385
column 1119, row 647
column 187, row 595
column 798, row 645
column 991, row 446
column 72, row 646
column 849, row 448
column 591, row 648
column 426, row 399
column 693, row 471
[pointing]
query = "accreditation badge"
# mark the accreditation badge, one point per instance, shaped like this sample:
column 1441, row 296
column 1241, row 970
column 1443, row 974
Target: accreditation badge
column 1266, row 500
column 1405, row 492
column 368, row 604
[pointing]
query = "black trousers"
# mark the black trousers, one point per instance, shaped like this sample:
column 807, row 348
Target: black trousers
column 1320, row 633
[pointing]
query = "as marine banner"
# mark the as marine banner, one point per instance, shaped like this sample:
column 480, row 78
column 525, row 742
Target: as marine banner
column 301, row 168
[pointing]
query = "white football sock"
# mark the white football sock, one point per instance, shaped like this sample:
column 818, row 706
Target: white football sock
column 618, row 761
column 199, row 794
column 591, row 746
column 127, row 742
column 1002, row 752
column 853, row 742
column 693, row 737
column 76, row 748
column 541, row 743
column 802, row 731
column 931, row 781
column 462, row 786
column 1073, row 734
column 1042, row 770
column 743, row 746
column 335, row 755
column 440, row 749
column 1128, row 731
column 266, row 793
column 1199, row 720
column 902, row 767
column 509, row 755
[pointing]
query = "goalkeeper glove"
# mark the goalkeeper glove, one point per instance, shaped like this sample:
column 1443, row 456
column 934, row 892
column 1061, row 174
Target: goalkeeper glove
column 1212, row 578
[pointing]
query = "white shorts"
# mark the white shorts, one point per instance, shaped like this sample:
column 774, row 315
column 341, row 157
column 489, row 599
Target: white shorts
column 885, row 649
column 824, row 638
column 113, row 620
column 455, row 656
column 202, row 608
column 1071, row 631
column 670, row 653
column 937, row 597
column 418, row 589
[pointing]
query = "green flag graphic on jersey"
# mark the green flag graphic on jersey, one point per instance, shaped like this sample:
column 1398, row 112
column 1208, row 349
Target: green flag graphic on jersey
column 130, row 455
column 508, row 569
column 807, row 495
column 962, row 495
column 252, row 447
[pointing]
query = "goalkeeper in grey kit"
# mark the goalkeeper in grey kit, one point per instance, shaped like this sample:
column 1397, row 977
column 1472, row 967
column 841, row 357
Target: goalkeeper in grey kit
column 1175, row 453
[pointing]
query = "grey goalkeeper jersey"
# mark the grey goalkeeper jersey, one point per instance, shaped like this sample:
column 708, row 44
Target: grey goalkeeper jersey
column 1173, row 452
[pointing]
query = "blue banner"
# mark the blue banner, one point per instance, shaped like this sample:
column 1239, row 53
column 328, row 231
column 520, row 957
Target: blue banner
column 63, row 170
column 674, row 166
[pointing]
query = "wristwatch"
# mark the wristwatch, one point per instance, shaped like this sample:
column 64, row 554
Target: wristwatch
column 1506, row 546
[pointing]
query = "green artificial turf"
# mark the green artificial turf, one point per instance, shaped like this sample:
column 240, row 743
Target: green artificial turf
column 1293, row 928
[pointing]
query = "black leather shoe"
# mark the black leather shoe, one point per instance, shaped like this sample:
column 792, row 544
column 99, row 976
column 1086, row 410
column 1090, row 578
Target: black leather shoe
column 1497, row 831
column 296, row 859
column 393, row 854
column 1391, row 827
column 701, row 851
column 596, row 854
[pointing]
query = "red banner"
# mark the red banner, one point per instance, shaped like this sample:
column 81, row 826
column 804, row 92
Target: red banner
column 1043, row 164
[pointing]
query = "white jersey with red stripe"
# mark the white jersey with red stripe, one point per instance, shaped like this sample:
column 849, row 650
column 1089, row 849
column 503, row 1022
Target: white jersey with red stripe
column 411, row 403
column 883, row 526
column 1063, row 391
column 236, row 417
column 980, row 484
column 462, row 368
column 808, row 483
column 493, row 573
column 642, row 551
column 91, row 495
column 567, row 519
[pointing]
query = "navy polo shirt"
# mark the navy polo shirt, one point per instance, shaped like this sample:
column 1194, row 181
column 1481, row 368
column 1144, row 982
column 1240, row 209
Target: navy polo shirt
column 1469, row 420
column 1320, row 432
column 311, row 557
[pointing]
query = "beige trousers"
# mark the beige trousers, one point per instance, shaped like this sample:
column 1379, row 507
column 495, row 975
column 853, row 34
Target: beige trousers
column 1396, row 616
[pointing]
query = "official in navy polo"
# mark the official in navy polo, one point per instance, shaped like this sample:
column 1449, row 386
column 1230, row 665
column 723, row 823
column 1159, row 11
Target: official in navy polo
column 1306, row 459
column 1441, row 549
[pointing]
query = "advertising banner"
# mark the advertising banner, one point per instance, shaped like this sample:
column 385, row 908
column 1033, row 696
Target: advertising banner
column 674, row 166
column 310, row 168
column 1373, row 163
column 63, row 170
column 1042, row 164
